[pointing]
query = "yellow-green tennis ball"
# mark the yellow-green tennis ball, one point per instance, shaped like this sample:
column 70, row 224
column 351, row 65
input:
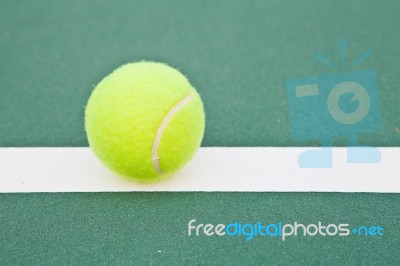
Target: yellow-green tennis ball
column 145, row 121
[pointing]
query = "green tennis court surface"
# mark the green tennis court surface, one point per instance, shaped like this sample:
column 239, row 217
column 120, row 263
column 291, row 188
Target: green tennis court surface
column 238, row 55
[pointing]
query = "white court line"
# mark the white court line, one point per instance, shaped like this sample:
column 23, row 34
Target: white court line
column 213, row 169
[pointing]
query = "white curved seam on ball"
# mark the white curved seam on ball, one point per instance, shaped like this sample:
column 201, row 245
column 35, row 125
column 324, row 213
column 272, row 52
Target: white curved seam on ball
column 154, row 153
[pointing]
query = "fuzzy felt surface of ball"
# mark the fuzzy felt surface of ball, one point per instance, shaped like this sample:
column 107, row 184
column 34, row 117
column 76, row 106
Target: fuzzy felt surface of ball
column 145, row 121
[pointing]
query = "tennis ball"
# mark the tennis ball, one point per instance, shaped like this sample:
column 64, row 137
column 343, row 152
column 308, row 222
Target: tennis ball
column 144, row 121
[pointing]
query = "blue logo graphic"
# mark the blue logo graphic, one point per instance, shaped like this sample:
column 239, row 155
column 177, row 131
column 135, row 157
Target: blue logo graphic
column 337, row 104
